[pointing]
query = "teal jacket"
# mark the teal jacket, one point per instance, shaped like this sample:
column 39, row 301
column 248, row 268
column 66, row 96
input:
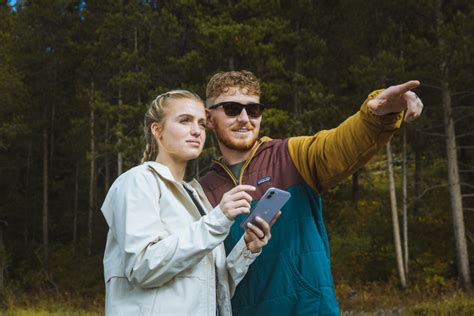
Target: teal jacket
column 293, row 276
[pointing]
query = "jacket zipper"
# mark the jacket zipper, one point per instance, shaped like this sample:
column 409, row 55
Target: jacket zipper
column 247, row 162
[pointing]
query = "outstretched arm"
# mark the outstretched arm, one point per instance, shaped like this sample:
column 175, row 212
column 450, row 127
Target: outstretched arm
column 329, row 156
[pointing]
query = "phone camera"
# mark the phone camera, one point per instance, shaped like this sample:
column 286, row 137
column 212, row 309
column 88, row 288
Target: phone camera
column 269, row 196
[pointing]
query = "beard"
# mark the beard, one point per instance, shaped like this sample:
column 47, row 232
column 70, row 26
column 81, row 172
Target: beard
column 240, row 144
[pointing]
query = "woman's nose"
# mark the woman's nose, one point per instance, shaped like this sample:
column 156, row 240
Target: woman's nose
column 196, row 130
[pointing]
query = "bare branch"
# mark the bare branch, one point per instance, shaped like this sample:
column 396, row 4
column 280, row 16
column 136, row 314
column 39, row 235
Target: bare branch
column 467, row 185
column 466, row 92
column 465, row 134
column 418, row 198
column 467, row 195
column 433, row 134
column 470, row 236
column 427, row 85
column 44, row 270
column 463, row 117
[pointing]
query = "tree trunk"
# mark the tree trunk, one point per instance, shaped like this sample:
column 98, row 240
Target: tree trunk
column 296, row 86
column 418, row 165
column 355, row 186
column 396, row 228
column 405, row 200
column 455, row 191
column 75, row 209
column 92, row 174
column 453, row 168
column 45, row 198
column 231, row 63
column 51, row 137
column 3, row 256
column 27, row 190
column 106, row 158
column 137, row 66
column 119, row 136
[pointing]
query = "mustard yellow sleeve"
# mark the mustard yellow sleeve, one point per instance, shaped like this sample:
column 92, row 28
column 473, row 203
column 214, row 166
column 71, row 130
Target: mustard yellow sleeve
column 329, row 156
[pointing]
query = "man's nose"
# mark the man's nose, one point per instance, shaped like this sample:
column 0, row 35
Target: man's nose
column 243, row 116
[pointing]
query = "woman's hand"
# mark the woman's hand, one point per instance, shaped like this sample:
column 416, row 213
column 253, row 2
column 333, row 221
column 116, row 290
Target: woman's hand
column 256, row 237
column 236, row 201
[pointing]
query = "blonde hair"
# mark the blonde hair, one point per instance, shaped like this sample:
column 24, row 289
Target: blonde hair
column 223, row 82
column 156, row 113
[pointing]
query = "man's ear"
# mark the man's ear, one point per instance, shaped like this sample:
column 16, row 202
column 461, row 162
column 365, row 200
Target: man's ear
column 209, row 119
column 156, row 129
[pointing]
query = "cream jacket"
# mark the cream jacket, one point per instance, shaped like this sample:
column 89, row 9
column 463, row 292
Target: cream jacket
column 162, row 257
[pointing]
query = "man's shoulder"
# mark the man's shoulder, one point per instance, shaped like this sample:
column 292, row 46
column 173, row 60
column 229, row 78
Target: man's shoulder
column 211, row 178
column 268, row 143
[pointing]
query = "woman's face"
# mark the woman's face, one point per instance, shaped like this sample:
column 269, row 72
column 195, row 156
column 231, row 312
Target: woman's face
column 182, row 133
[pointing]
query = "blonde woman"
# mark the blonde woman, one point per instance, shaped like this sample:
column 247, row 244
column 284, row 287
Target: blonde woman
column 164, row 252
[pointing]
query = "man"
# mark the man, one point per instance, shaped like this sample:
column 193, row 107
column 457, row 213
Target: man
column 292, row 276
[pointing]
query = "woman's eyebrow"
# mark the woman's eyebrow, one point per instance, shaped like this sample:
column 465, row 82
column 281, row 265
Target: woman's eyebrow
column 188, row 115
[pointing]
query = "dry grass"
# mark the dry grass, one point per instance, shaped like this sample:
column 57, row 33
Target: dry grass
column 356, row 300
column 376, row 299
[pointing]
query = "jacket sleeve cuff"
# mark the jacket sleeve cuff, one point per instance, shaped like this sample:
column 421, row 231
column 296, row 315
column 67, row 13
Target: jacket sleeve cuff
column 391, row 120
column 218, row 217
column 241, row 253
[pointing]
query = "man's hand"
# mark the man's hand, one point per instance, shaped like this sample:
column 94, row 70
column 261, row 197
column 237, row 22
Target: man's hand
column 398, row 98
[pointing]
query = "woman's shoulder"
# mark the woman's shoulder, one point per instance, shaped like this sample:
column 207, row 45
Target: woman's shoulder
column 134, row 177
column 142, row 170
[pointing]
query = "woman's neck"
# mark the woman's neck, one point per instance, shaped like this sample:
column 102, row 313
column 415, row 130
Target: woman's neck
column 177, row 168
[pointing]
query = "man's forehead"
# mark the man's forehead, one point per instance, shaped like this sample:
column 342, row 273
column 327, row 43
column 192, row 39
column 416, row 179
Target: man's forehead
column 235, row 90
column 235, row 94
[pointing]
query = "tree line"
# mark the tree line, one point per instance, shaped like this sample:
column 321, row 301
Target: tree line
column 76, row 78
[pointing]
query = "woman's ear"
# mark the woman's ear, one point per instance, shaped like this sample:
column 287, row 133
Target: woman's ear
column 156, row 129
column 209, row 119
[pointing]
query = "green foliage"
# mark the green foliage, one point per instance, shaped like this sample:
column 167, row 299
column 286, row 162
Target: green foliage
column 279, row 124
column 317, row 61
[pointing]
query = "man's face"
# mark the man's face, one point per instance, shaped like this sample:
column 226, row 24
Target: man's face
column 235, row 132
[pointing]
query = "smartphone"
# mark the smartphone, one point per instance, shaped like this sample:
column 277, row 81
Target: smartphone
column 268, row 206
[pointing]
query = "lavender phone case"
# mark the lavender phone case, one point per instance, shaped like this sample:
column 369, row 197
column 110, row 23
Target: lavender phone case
column 267, row 207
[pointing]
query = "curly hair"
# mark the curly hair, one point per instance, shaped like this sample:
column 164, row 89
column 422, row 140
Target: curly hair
column 224, row 82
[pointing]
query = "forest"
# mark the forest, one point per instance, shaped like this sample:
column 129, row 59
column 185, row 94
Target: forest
column 76, row 77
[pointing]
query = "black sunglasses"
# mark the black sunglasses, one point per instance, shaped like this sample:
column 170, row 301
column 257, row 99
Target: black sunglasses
column 253, row 110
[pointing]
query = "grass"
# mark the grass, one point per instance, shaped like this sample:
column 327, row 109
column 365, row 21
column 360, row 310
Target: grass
column 356, row 300
column 41, row 312
column 376, row 299
column 49, row 304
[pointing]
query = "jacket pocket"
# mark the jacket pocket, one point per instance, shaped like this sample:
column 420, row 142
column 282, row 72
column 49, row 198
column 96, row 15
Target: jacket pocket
column 301, row 281
column 184, row 295
column 122, row 298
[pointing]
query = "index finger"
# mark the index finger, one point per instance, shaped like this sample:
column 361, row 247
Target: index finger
column 241, row 187
column 405, row 87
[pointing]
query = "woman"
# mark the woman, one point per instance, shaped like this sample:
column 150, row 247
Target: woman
column 164, row 252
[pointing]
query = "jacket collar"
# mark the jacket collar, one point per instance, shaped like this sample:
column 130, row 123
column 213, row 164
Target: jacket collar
column 219, row 162
column 165, row 173
column 161, row 169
